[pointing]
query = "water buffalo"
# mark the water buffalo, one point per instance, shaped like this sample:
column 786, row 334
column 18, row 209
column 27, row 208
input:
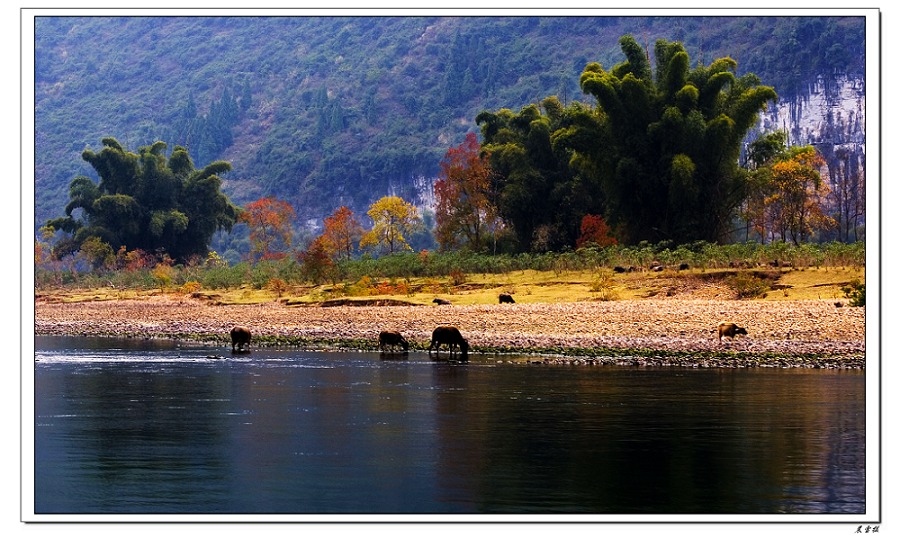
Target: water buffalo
column 392, row 339
column 452, row 337
column 506, row 298
column 730, row 330
column 240, row 336
column 440, row 301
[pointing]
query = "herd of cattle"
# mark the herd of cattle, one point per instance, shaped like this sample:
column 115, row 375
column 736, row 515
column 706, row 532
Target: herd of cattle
column 443, row 334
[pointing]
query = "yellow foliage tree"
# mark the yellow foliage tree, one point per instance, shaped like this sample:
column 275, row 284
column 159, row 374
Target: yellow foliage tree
column 392, row 218
column 787, row 195
column 795, row 205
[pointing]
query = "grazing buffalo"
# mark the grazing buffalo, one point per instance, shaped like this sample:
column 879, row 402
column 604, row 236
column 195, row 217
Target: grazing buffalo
column 392, row 339
column 452, row 337
column 730, row 330
column 506, row 298
column 440, row 301
column 240, row 336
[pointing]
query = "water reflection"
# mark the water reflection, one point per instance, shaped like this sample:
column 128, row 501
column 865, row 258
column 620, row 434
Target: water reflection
column 162, row 428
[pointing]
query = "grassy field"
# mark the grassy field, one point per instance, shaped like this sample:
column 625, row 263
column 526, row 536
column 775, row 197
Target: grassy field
column 766, row 284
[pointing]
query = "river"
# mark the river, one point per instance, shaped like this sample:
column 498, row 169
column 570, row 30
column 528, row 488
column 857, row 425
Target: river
column 129, row 426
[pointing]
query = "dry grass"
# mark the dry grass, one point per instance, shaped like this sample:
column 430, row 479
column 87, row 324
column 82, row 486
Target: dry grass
column 527, row 287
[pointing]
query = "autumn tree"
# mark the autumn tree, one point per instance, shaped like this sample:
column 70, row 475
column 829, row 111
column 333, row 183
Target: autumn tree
column 847, row 203
column 797, row 197
column 145, row 201
column 595, row 230
column 786, row 195
column 342, row 232
column 464, row 209
column 316, row 262
column 270, row 222
column 392, row 219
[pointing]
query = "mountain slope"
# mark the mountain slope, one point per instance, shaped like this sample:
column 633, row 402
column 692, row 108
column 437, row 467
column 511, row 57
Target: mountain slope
column 324, row 111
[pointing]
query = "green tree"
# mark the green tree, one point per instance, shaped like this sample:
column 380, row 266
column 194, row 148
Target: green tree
column 392, row 219
column 146, row 201
column 533, row 173
column 670, row 170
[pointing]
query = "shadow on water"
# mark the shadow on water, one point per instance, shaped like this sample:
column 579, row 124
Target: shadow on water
column 158, row 427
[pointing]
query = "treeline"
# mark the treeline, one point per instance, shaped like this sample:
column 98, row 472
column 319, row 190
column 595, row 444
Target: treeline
column 131, row 271
column 656, row 159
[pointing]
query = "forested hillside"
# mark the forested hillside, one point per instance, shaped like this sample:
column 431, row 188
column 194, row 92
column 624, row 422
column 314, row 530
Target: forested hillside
column 329, row 111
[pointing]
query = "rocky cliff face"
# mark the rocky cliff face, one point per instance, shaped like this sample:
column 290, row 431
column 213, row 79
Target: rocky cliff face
column 831, row 116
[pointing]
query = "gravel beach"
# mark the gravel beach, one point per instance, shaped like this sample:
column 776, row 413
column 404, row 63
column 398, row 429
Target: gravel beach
column 808, row 333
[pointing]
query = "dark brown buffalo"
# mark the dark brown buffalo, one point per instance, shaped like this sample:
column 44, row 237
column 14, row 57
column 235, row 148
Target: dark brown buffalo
column 506, row 298
column 452, row 337
column 440, row 301
column 392, row 339
column 240, row 336
column 730, row 330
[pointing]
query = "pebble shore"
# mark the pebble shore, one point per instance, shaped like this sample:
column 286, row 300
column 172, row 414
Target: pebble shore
column 679, row 332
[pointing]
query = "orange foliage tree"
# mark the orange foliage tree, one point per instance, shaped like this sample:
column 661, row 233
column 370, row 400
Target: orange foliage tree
column 796, row 196
column 786, row 194
column 342, row 232
column 271, row 233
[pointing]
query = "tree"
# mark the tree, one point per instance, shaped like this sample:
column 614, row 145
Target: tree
column 464, row 210
column 342, row 232
column 145, row 201
column 97, row 253
column 316, row 261
column 392, row 218
column 786, row 197
column 847, row 202
column 670, row 169
column 595, row 230
column 269, row 221
column 798, row 195
column 533, row 174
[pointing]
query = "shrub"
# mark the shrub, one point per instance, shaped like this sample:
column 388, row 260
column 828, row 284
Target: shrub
column 605, row 286
column 748, row 286
column 190, row 287
column 458, row 277
column 856, row 292
column 163, row 274
column 277, row 285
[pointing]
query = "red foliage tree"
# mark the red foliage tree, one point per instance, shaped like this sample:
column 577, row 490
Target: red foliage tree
column 463, row 210
column 595, row 230
column 316, row 261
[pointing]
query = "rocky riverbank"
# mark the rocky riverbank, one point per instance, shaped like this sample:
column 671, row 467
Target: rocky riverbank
column 809, row 333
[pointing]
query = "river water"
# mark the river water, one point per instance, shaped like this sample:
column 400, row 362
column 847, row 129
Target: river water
column 158, row 427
